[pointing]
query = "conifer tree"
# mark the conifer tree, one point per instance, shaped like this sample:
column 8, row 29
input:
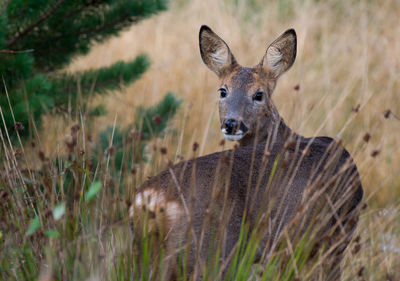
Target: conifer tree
column 38, row 38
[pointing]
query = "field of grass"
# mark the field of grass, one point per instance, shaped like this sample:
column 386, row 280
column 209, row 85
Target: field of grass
column 344, row 83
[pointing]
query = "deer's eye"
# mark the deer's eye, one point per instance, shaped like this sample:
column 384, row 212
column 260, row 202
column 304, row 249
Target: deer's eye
column 222, row 93
column 258, row 96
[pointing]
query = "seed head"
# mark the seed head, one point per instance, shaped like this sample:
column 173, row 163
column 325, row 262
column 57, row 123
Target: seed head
column 110, row 150
column 18, row 126
column 267, row 154
column 128, row 203
column 387, row 113
column 366, row 137
column 356, row 249
column 70, row 141
column 157, row 119
column 3, row 194
column 42, row 156
column 375, row 152
column 136, row 135
column 290, row 144
column 75, row 128
column 195, row 146
column 226, row 158
column 17, row 152
column 297, row 87
column 356, row 108
column 163, row 150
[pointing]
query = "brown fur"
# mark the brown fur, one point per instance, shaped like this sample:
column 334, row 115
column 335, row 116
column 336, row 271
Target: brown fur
column 284, row 181
column 242, row 83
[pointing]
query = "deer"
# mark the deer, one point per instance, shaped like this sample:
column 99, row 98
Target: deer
column 276, row 181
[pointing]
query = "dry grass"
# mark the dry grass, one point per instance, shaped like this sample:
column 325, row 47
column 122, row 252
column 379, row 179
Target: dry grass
column 348, row 55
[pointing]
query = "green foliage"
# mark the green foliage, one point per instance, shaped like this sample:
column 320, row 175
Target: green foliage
column 33, row 226
column 93, row 190
column 39, row 38
column 152, row 121
column 149, row 123
column 66, row 205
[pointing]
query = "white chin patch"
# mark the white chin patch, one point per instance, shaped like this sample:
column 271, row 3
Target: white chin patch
column 238, row 136
column 235, row 137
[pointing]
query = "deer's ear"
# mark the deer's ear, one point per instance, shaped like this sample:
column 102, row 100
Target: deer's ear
column 281, row 53
column 215, row 52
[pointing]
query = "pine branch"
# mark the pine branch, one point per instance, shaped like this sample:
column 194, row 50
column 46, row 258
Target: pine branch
column 107, row 26
column 38, row 37
column 5, row 7
column 79, row 10
column 104, row 79
column 60, row 39
column 32, row 26
column 127, row 18
column 153, row 120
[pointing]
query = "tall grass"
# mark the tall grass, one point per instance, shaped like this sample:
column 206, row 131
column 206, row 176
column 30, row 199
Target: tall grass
column 347, row 59
column 344, row 83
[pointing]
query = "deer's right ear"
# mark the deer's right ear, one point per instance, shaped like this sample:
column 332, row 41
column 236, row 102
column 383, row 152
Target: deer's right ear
column 281, row 53
column 215, row 52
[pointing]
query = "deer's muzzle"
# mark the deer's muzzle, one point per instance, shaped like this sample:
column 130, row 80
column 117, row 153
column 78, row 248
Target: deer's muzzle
column 233, row 130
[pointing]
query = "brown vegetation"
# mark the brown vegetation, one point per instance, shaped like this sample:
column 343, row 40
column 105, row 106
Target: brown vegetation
column 344, row 83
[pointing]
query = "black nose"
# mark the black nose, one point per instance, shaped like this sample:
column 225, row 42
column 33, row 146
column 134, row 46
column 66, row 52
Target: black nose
column 230, row 125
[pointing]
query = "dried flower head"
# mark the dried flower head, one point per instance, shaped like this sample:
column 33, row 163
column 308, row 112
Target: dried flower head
column 74, row 129
column 110, row 150
column 375, row 152
column 42, row 156
column 290, row 144
column 387, row 113
column 366, row 137
column 18, row 126
column 70, row 141
column 157, row 119
column 195, row 146
column 356, row 108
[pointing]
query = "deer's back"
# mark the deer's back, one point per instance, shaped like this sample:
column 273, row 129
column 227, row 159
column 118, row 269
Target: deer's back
column 273, row 181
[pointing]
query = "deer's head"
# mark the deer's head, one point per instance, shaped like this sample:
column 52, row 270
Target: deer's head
column 245, row 106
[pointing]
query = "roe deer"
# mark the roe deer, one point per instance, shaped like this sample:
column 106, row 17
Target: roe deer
column 247, row 113
column 284, row 182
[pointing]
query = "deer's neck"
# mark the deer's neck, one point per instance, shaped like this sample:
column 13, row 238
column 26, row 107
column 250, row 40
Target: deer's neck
column 277, row 132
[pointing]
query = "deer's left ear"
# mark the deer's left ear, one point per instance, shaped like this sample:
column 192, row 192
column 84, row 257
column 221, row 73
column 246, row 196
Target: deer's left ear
column 215, row 52
column 281, row 53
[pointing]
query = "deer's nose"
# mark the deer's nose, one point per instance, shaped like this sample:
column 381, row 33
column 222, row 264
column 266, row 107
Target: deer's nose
column 230, row 125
